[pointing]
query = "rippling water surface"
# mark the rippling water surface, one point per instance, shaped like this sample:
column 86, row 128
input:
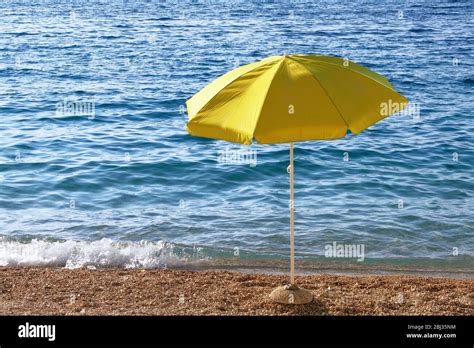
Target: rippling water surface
column 119, row 187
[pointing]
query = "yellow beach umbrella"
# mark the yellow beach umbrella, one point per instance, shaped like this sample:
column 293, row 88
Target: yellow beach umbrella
column 287, row 99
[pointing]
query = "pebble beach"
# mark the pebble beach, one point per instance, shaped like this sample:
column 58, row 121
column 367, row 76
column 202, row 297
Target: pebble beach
column 60, row 291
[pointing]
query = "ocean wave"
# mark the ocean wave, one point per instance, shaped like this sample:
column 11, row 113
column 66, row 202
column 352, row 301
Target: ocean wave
column 101, row 253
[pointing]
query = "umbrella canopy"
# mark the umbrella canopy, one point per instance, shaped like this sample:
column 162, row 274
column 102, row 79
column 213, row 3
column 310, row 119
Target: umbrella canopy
column 291, row 98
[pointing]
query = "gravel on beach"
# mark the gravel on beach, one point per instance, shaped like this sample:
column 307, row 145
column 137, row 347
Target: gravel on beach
column 60, row 291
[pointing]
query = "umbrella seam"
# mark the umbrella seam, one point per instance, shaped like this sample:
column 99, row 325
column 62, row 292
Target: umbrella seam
column 227, row 85
column 325, row 92
column 359, row 73
column 265, row 98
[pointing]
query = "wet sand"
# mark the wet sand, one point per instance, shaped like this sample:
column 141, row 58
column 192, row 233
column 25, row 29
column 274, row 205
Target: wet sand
column 59, row 291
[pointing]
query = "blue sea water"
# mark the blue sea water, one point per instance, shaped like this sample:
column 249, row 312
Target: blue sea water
column 127, row 186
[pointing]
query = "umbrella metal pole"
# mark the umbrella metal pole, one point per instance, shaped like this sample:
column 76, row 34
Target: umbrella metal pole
column 292, row 220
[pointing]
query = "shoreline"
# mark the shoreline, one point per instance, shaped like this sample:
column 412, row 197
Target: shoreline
column 116, row 291
column 161, row 255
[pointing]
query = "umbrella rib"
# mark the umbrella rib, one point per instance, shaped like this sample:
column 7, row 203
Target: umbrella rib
column 227, row 85
column 325, row 92
column 390, row 86
column 265, row 97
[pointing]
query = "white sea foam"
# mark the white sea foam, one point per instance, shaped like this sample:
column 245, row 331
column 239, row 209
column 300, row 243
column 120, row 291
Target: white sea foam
column 100, row 253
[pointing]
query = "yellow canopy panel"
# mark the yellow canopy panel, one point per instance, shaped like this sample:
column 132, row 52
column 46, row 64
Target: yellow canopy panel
column 294, row 98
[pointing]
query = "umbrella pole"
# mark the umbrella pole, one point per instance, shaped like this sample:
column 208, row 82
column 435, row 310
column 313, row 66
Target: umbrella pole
column 291, row 293
column 292, row 219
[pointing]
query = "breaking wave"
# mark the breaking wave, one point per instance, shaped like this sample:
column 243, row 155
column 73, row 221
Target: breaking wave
column 100, row 253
